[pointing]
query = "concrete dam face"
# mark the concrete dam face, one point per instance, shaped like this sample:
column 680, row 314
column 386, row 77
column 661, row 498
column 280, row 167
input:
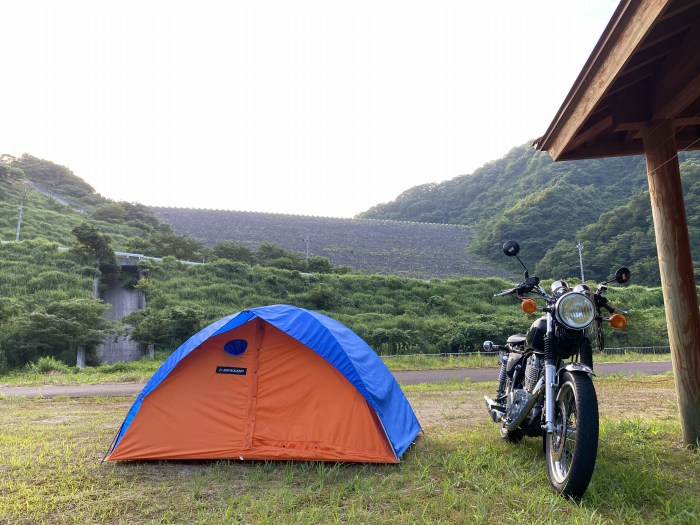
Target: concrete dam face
column 123, row 302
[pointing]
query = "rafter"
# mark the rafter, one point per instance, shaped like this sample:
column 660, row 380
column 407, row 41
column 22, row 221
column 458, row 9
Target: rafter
column 679, row 80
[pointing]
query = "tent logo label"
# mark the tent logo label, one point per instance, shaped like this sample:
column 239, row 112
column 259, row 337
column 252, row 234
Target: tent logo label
column 231, row 370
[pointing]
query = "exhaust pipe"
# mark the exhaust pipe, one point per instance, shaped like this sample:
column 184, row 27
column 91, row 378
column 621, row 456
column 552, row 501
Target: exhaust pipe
column 537, row 391
column 495, row 410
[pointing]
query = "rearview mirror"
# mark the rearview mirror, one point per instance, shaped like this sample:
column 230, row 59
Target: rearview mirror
column 511, row 248
column 623, row 275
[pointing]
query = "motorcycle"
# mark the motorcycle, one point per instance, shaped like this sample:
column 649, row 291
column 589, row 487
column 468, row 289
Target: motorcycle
column 545, row 385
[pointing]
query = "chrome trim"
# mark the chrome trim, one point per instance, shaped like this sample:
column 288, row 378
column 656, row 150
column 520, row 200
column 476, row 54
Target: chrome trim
column 557, row 307
column 576, row 367
column 495, row 410
column 550, row 373
column 537, row 391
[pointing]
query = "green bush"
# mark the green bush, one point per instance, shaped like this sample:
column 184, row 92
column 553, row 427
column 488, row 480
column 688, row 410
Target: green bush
column 47, row 364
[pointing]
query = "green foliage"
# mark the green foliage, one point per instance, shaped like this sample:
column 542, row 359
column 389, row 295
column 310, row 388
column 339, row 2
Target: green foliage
column 91, row 238
column 165, row 328
column 549, row 207
column 320, row 297
column 45, row 217
column 624, row 236
column 47, row 365
column 270, row 254
column 110, row 212
column 9, row 172
column 164, row 242
column 48, row 310
column 56, row 329
column 235, row 252
column 57, row 179
column 394, row 315
column 316, row 264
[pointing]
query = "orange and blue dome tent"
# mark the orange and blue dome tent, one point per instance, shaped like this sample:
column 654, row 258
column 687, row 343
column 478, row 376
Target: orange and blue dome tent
column 270, row 383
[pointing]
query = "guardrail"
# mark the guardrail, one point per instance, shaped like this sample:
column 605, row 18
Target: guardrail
column 652, row 350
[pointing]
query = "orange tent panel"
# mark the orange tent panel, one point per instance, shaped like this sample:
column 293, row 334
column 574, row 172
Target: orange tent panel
column 285, row 402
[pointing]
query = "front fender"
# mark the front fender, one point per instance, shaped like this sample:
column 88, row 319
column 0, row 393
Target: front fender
column 575, row 368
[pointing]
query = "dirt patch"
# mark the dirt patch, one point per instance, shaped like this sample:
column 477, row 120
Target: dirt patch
column 643, row 397
column 454, row 409
column 448, row 410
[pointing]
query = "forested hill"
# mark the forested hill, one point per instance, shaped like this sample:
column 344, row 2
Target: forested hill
column 548, row 207
column 542, row 204
column 499, row 185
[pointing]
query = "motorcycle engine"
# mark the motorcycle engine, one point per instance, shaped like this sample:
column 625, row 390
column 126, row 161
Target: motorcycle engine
column 517, row 400
column 532, row 371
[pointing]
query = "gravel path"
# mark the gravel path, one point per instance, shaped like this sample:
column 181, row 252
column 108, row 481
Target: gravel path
column 410, row 377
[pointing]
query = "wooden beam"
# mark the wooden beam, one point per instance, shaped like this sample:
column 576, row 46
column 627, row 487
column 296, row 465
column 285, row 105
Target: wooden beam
column 678, row 82
column 626, row 81
column 589, row 135
column 680, row 7
column 677, row 275
column 625, row 33
column 605, row 148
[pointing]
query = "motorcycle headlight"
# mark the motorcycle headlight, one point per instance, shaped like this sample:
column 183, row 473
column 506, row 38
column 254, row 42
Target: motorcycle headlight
column 575, row 310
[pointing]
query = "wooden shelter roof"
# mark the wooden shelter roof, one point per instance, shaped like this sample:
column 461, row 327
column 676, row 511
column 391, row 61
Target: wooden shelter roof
column 644, row 68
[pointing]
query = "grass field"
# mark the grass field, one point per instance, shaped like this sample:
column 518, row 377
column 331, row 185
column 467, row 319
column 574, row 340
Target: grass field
column 459, row 470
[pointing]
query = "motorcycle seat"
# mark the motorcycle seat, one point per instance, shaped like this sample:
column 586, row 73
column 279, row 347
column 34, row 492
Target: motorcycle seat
column 516, row 339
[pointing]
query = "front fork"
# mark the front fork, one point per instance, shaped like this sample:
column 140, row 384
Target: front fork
column 550, row 375
column 550, row 378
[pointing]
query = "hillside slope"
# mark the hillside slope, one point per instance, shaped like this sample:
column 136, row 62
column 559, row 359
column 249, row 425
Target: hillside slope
column 382, row 247
column 542, row 204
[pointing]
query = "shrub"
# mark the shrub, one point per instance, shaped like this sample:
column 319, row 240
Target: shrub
column 47, row 364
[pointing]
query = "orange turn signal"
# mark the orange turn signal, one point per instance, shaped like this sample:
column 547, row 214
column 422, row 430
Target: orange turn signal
column 529, row 306
column 618, row 321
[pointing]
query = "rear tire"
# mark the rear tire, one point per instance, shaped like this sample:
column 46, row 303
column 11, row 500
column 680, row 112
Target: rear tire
column 572, row 448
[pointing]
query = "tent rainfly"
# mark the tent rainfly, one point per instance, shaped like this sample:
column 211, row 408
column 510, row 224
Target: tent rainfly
column 270, row 383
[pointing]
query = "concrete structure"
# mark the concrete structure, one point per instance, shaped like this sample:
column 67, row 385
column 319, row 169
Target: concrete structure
column 123, row 301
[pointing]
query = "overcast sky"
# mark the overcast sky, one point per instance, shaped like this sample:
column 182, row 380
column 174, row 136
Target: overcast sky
column 296, row 106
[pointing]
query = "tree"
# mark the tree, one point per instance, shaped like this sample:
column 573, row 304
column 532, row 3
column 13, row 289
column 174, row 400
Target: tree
column 269, row 254
column 90, row 237
column 318, row 264
column 165, row 328
column 235, row 252
column 111, row 212
column 57, row 329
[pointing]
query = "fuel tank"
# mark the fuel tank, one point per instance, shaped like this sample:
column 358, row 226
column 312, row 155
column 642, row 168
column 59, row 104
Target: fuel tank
column 535, row 335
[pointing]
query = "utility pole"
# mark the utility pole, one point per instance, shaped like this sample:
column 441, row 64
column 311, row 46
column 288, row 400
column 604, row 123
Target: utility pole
column 580, row 260
column 23, row 196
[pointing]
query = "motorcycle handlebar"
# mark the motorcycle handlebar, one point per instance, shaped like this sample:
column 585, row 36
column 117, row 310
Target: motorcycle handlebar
column 608, row 308
column 522, row 288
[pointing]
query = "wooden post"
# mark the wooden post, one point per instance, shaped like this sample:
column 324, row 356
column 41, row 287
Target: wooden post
column 676, row 267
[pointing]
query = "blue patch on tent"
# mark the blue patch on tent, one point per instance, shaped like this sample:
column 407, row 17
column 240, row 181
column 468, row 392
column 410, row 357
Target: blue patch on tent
column 236, row 346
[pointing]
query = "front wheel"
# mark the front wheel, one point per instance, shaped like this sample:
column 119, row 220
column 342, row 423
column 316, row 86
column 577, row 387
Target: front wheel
column 572, row 448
